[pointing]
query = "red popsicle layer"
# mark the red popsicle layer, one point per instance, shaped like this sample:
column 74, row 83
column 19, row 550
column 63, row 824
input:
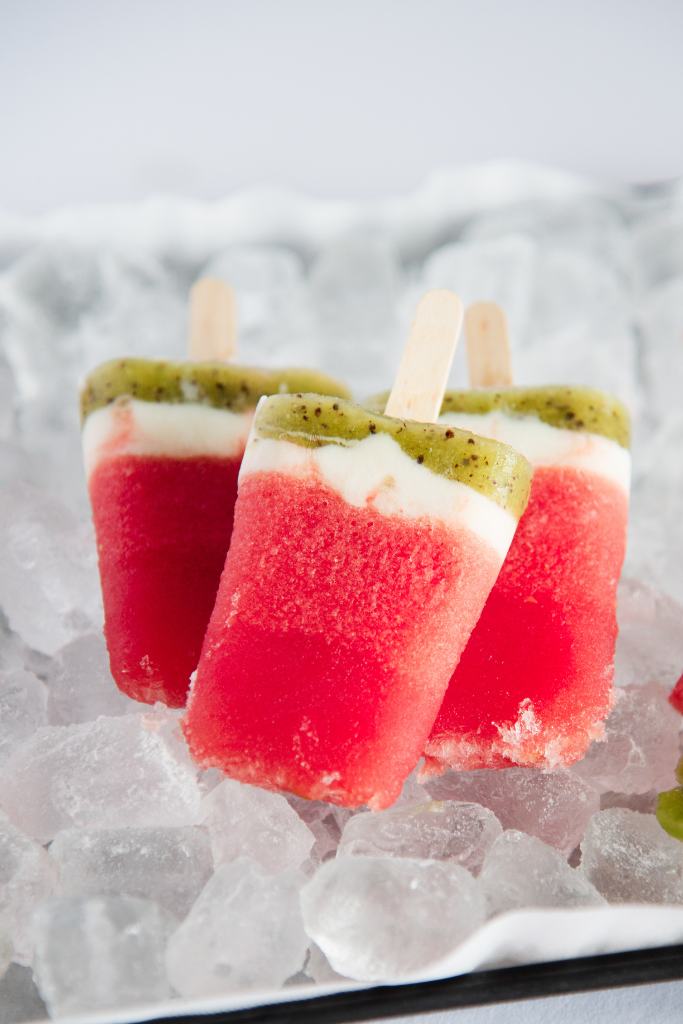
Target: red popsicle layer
column 163, row 527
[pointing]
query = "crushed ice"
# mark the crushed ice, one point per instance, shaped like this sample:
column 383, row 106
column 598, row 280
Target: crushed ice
column 126, row 876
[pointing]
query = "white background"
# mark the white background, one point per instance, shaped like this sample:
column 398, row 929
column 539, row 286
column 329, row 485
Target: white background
column 116, row 99
column 107, row 100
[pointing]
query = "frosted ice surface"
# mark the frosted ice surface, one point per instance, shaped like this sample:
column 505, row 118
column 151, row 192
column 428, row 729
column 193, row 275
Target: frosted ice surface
column 26, row 878
column 80, row 686
column 640, row 748
column 246, row 821
column 19, row 998
column 553, row 806
column 449, row 830
column 244, row 931
column 23, row 708
column 114, row 772
column 521, row 871
column 374, row 917
column 102, row 953
column 167, row 865
column 48, row 578
column 650, row 641
column 629, row 858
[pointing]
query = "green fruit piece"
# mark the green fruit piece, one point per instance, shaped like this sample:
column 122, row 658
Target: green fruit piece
column 670, row 811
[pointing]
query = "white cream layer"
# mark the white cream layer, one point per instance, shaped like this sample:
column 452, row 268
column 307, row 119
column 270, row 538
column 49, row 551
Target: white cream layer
column 545, row 445
column 376, row 472
column 177, row 430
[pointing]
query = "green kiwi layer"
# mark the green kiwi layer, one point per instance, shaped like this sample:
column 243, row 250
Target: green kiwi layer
column 490, row 467
column 220, row 385
column 570, row 408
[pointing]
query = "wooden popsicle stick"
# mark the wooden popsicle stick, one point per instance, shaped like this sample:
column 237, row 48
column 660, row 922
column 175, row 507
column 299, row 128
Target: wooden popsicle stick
column 422, row 375
column 488, row 346
column 213, row 321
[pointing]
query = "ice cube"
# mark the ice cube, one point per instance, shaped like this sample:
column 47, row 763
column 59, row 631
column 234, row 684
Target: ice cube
column 355, row 284
column 318, row 967
column 376, row 918
column 325, row 821
column 12, row 651
column 244, row 931
column 629, row 858
column 657, row 535
column 80, row 686
column 48, row 577
column 273, row 308
column 643, row 802
column 521, row 871
column 658, row 243
column 661, row 322
column 114, row 772
column 169, row 866
column 413, row 791
column 102, row 953
column 590, row 225
column 553, row 806
column 6, row 951
column 23, row 708
column 500, row 270
column 640, row 748
column 449, row 830
column 7, row 398
column 246, row 821
column 650, row 641
column 26, row 879
column 19, row 998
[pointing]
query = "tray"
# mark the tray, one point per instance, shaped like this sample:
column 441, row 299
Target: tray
column 503, row 985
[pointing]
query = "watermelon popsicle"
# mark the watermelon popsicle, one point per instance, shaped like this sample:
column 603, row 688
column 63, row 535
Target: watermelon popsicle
column 534, row 683
column 363, row 550
column 162, row 445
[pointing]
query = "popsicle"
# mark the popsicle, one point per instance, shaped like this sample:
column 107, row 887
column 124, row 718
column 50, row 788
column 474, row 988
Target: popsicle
column 363, row 550
column 162, row 445
column 534, row 683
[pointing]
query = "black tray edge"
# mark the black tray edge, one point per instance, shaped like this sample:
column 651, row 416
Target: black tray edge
column 502, row 985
